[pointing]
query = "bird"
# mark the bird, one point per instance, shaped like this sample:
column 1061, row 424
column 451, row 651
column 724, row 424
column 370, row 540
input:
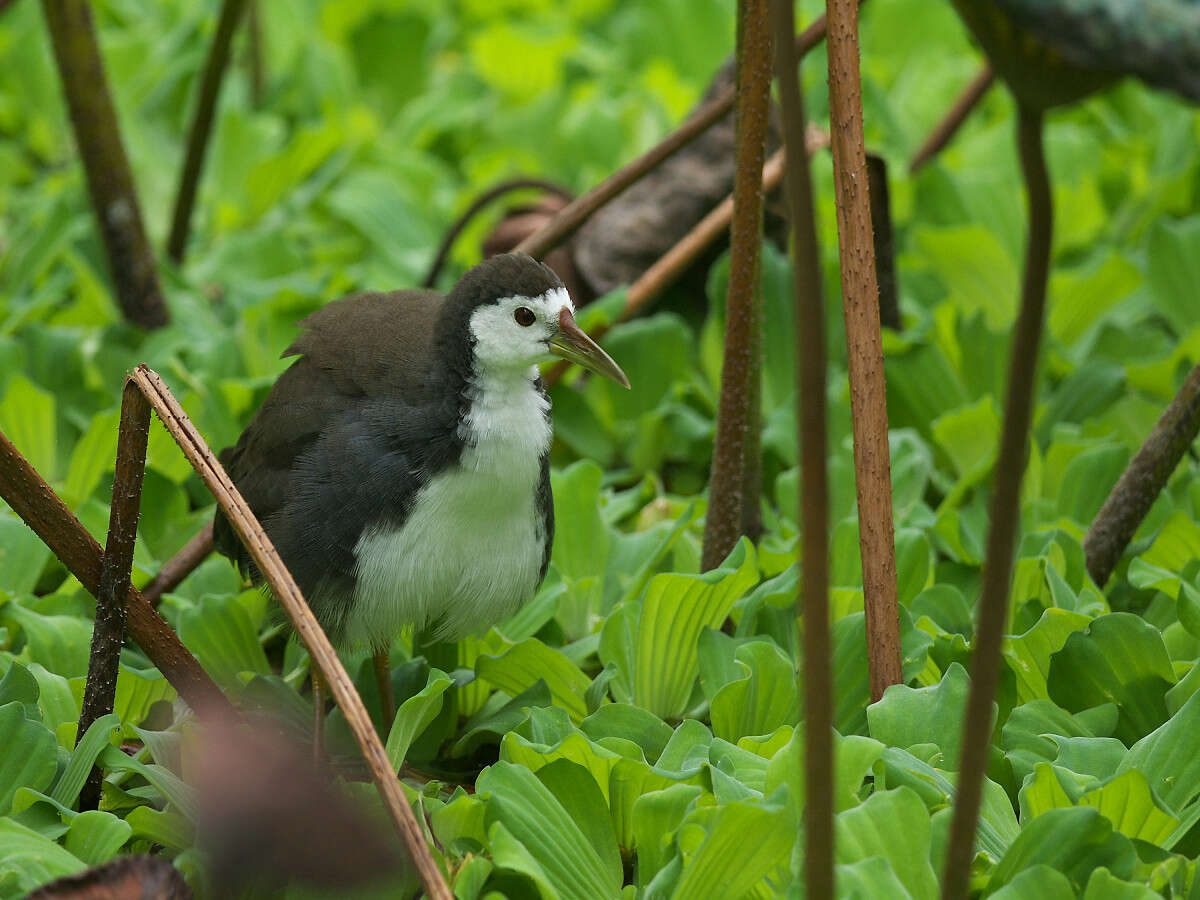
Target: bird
column 400, row 465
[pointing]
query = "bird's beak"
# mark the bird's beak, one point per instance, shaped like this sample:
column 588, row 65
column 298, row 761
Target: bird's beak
column 572, row 344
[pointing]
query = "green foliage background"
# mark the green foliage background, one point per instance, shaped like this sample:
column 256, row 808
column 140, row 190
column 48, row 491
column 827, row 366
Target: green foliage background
column 630, row 743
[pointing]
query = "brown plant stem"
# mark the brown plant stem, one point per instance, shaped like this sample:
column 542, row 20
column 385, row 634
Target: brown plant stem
column 1143, row 480
column 36, row 503
column 481, row 203
column 949, row 124
column 109, row 630
column 288, row 595
column 197, row 146
column 180, row 566
column 1005, row 509
column 868, row 394
column 722, row 522
column 572, row 216
column 98, row 136
column 812, row 604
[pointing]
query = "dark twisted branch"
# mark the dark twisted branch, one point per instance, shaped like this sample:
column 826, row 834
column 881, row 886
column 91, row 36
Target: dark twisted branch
column 110, row 183
column 109, row 630
column 197, row 146
column 36, row 503
column 1143, row 480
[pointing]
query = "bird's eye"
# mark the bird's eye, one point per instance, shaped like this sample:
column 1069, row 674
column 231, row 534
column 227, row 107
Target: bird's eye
column 524, row 316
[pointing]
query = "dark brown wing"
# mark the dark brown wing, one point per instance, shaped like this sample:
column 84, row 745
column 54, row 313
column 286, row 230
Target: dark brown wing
column 352, row 350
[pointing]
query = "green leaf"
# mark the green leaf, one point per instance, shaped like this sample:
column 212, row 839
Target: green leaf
column 580, row 536
column 27, row 754
column 19, row 684
column 675, row 610
column 763, row 696
column 1120, row 658
column 165, row 827
column 1029, row 654
column 523, row 664
column 96, row 836
column 1169, row 757
column 414, row 716
column 871, row 877
column 60, row 643
column 33, row 858
column 977, row 271
column 1074, row 841
column 1173, row 269
column 578, row 794
column 1103, row 885
column 657, row 815
column 1128, row 803
column 630, row 723
column 742, row 844
column 905, row 716
column 222, row 635
column 27, row 419
column 532, row 833
column 893, row 825
column 94, row 741
column 1038, row 882
column 22, row 556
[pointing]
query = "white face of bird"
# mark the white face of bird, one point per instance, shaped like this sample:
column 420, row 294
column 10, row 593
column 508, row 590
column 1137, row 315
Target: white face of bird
column 515, row 333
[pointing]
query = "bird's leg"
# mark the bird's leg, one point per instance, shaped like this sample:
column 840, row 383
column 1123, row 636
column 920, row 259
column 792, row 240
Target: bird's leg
column 318, row 736
column 387, row 697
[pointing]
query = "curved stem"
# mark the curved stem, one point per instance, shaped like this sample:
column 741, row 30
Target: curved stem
column 478, row 205
column 943, row 132
column 1005, row 509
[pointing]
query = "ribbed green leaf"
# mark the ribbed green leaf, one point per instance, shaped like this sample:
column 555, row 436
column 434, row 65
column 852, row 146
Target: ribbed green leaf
column 675, row 610
column 523, row 664
column 27, row 754
column 893, row 825
column 530, row 832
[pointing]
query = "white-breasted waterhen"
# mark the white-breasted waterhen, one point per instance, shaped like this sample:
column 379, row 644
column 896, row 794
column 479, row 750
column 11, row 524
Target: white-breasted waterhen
column 401, row 464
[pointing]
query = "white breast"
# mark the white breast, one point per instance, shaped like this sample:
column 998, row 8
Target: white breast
column 470, row 552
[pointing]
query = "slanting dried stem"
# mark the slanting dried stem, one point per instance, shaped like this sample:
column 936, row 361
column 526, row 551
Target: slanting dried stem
column 811, row 421
column 944, row 130
column 36, row 503
column 572, row 216
column 180, row 566
column 860, row 303
column 1143, row 480
column 722, row 524
column 114, row 198
column 206, row 105
column 109, row 630
column 288, row 595
column 1005, row 510
column 672, row 264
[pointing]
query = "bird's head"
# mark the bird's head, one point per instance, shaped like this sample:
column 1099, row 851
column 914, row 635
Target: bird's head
column 516, row 313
